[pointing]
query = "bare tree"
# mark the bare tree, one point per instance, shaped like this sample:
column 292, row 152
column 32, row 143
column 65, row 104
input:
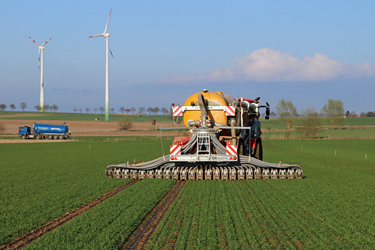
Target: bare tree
column 127, row 111
column 75, row 109
column 122, row 109
column 87, row 110
column 149, row 110
column 46, row 108
column 133, row 110
column 164, row 111
column 310, row 123
column 3, row 107
column 141, row 110
column 23, row 106
column 112, row 110
column 287, row 112
column 80, row 110
column 156, row 110
column 334, row 112
column 12, row 106
column 55, row 108
column 95, row 110
column 101, row 109
column 37, row 107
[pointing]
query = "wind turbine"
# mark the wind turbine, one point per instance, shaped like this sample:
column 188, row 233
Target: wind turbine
column 106, row 36
column 41, row 48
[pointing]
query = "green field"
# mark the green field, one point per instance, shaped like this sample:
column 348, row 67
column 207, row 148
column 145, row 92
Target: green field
column 42, row 181
column 332, row 207
column 108, row 225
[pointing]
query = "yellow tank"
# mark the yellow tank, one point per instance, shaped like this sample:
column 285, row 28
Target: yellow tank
column 213, row 99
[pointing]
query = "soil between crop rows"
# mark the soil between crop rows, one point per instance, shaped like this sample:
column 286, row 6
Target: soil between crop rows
column 29, row 237
column 139, row 238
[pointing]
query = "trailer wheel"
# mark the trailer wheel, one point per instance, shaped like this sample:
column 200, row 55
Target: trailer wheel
column 257, row 151
column 50, row 137
column 61, row 137
column 37, row 137
column 23, row 136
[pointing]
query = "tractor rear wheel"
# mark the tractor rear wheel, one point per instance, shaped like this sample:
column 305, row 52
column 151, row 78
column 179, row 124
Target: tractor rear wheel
column 257, row 151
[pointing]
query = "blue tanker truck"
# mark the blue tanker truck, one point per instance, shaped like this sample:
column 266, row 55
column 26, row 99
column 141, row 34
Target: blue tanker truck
column 43, row 131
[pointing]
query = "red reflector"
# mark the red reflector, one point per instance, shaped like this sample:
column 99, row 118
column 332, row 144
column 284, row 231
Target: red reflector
column 231, row 158
column 172, row 158
column 235, row 158
column 175, row 158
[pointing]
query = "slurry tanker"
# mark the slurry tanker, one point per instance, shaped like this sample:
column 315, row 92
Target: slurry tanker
column 224, row 143
column 43, row 131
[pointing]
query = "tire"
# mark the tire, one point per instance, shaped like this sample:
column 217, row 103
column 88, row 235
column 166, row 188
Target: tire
column 61, row 137
column 23, row 136
column 50, row 137
column 257, row 152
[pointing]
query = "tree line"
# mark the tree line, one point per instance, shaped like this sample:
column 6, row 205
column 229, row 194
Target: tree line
column 23, row 106
column 309, row 121
column 368, row 114
column 132, row 110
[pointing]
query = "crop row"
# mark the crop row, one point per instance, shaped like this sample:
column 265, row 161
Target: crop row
column 107, row 225
column 338, row 189
column 333, row 207
column 217, row 214
column 41, row 181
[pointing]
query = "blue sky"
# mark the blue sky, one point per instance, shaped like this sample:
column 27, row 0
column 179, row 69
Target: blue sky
column 165, row 51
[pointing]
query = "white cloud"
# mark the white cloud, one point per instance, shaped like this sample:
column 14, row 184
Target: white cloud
column 272, row 65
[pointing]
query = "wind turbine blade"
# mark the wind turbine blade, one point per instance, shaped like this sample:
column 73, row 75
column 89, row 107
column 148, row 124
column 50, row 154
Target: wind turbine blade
column 34, row 41
column 46, row 42
column 96, row 35
column 110, row 51
column 106, row 27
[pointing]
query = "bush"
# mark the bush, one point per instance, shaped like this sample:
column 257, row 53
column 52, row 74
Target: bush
column 125, row 123
column 2, row 128
column 310, row 123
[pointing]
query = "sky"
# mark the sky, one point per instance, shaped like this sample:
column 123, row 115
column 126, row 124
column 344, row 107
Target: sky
column 164, row 51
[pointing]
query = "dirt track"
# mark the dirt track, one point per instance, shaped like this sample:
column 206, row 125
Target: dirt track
column 87, row 128
column 139, row 238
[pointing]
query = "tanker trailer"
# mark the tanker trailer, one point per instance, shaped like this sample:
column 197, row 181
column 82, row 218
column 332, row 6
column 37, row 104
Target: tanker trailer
column 224, row 143
column 42, row 131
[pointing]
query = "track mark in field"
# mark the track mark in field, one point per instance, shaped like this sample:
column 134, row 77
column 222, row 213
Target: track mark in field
column 139, row 238
column 29, row 237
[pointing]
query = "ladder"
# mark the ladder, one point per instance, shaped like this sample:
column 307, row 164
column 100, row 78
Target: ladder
column 203, row 144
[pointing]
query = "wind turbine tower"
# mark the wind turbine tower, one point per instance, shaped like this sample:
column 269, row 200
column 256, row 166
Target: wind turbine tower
column 41, row 48
column 107, row 48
